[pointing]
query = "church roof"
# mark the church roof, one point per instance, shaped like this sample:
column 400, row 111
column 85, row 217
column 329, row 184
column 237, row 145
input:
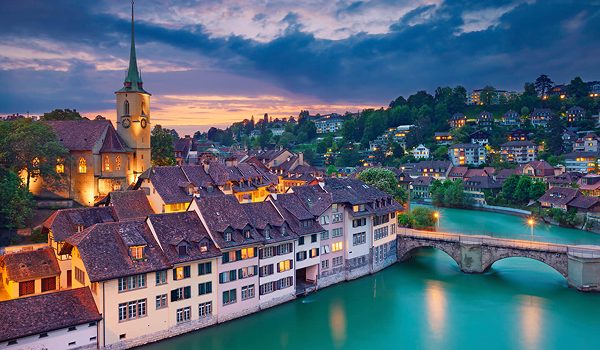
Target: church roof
column 113, row 143
column 79, row 135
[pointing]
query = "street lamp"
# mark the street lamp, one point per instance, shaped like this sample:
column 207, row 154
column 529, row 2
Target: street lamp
column 436, row 215
column 531, row 222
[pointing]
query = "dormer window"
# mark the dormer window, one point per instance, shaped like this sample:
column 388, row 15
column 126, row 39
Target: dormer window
column 284, row 231
column 137, row 252
column 209, row 189
column 247, row 234
column 227, row 236
column 78, row 228
column 204, row 247
column 182, row 249
column 267, row 233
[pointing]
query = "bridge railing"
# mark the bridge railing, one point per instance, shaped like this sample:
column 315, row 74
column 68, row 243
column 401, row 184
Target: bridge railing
column 511, row 236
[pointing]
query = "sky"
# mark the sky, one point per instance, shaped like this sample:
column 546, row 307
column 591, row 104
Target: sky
column 210, row 63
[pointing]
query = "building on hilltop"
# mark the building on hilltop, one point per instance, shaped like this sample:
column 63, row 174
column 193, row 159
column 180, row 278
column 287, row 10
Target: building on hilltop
column 511, row 118
column 467, row 153
column 518, row 151
column 457, row 120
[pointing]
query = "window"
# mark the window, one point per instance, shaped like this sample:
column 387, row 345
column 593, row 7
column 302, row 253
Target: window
column 334, row 208
column 106, row 163
column 337, row 217
column 205, row 288
column 183, row 314
column 301, row 241
column 313, row 253
column 267, row 233
column 228, row 236
column 301, row 256
column 267, row 288
column 380, row 233
column 313, row 238
column 203, row 247
column 248, row 292
column 128, row 163
column 359, row 238
column 161, row 301
column 182, row 249
column 126, row 107
column 118, row 163
column 324, row 220
column 284, row 265
column 48, row 283
column 247, row 253
column 205, row 309
column 325, row 264
column 324, row 235
column 285, row 282
column 60, row 168
column 229, row 297
column 336, row 232
column 181, row 293
column 285, row 248
column 181, row 272
column 284, row 231
column 267, row 252
column 78, row 228
column 204, row 268
column 136, row 252
column 227, row 276
column 359, row 222
column 336, row 246
column 161, row 277
column 26, row 288
column 337, row 261
column 247, row 234
column 132, row 309
column 249, row 271
column 79, row 275
column 82, row 167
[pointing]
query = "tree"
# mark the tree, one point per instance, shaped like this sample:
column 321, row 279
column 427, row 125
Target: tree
column 18, row 206
column 523, row 189
column 348, row 157
column 524, row 111
column 59, row 114
column 529, row 90
column 397, row 150
column 331, row 170
column 488, row 95
column 510, row 186
column 454, row 195
column 543, row 85
column 536, row 190
column 309, row 156
column 554, row 140
column 441, row 152
column 163, row 152
column 385, row 181
column 577, row 88
column 174, row 134
column 99, row 117
column 348, row 130
column 423, row 217
column 32, row 147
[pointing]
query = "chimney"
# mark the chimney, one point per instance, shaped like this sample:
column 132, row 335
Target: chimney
column 206, row 166
column 301, row 155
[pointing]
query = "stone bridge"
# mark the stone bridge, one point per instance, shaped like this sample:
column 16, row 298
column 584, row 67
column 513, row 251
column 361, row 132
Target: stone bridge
column 580, row 265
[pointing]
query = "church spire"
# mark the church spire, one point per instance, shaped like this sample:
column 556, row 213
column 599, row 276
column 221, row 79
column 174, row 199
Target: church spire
column 133, row 80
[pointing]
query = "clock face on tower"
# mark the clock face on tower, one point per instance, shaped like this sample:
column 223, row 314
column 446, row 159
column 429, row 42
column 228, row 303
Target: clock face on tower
column 126, row 123
column 143, row 123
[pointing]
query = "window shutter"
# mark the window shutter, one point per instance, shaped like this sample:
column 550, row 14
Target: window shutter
column 260, row 272
column 238, row 255
column 221, row 277
column 174, row 295
column 317, row 252
column 174, row 274
column 208, row 287
column 232, row 275
column 278, row 250
column 186, row 271
column 209, row 267
column 276, row 285
column 187, row 292
column 240, row 274
column 291, row 264
column 271, row 269
column 291, row 248
column 200, row 269
column 201, row 289
column 298, row 256
column 255, row 270
column 310, row 253
column 225, row 258
column 260, row 254
column 260, row 290
column 278, row 270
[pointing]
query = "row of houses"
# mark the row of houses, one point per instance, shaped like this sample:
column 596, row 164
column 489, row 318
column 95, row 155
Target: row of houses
column 153, row 276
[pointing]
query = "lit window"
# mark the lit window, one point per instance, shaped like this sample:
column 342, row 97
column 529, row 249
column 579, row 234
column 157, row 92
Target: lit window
column 60, row 168
column 118, row 163
column 136, row 252
column 106, row 163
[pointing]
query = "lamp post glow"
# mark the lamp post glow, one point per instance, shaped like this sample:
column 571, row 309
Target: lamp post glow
column 436, row 215
column 531, row 222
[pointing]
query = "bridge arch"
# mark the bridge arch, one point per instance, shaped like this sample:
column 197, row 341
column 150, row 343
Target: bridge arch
column 407, row 248
column 557, row 261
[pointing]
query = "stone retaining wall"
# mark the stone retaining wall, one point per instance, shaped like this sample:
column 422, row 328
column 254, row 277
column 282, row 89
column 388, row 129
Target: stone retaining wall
column 279, row 300
column 358, row 267
column 332, row 276
column 238, row 314
column 390, row 257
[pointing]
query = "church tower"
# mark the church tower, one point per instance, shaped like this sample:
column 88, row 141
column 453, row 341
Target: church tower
column 133, row 114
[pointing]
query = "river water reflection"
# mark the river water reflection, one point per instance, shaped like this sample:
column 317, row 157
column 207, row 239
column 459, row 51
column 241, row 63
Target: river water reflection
column 427, row 303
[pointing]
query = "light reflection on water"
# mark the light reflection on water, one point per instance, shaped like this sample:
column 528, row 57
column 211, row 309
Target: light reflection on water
column 337, row 324
column 435, row 297
column 531, row 320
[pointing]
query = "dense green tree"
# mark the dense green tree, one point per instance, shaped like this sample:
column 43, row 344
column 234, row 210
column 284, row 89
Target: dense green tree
column 309, row 156
column 331, row 170
column 322, row 147
column 524, row 111
column 163, row 152
column 423, row 217
column 18, row 206
column 488, row 95
column 536, row 190
column 523, row 189
column 99, row 117
column 577, row 88
column 31, row 148
column 454, row 195
column 384, row 180
column 60, row 114
column 349, row 130
column 554, row 142
column 348, row 157
column 397, row 150
column 509, row 187
column 441, row 152
column 543, row 85
column 529, row 90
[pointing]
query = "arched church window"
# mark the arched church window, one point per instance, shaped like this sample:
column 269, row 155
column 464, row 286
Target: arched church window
column 106, row 163
column 118, row 163
column 128, row 163
column 126, row 107
column 142, row 113
column 82, row 166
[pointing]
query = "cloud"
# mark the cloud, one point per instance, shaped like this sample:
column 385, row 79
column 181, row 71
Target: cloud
column 340, row 53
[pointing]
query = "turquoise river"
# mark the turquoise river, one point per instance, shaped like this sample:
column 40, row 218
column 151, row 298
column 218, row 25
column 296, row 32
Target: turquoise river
column 427, row 303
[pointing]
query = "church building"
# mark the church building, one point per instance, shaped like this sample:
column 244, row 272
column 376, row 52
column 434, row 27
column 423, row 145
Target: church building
column 104, row 159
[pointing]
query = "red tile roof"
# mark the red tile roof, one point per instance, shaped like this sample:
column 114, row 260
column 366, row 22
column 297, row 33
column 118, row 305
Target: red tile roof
column 30, row 264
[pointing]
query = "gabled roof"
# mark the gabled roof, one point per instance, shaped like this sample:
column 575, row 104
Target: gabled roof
column 482, row 182
column 505, row 174
column 559, row 195
column 511, row 114
column 565, row 178
column 113, row 143
column 46, row 312
column 165, row 180
column 458, row 171
column 79, row 135
column 173, row 228
column 584, row 202
column 423, row 181
column 314, row 198
column 458, row 116
column 292, row 210
column 517, row 143
column 128, row 205
column 104, row 250
column 264, row 215
column 30, row 264
column 227, row 213
column 62, row 223
column 475, row 172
